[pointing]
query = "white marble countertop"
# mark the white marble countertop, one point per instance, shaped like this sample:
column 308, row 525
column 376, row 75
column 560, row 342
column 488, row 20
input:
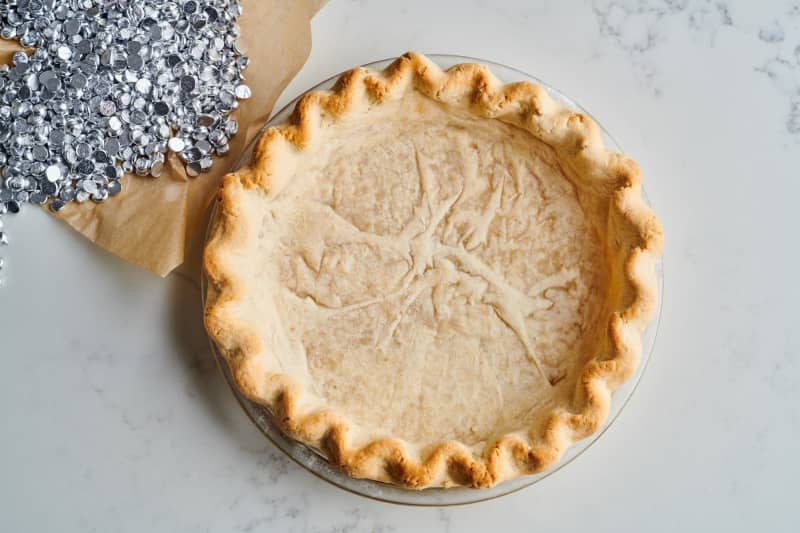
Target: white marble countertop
column 114, row 417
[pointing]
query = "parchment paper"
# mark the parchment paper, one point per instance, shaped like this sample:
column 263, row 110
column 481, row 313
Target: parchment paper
column 152, row 221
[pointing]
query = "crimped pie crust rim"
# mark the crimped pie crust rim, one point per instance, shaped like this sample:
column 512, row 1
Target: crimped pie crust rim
column 386, row 458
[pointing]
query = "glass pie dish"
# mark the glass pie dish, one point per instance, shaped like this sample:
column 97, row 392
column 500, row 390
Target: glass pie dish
column 315, row 461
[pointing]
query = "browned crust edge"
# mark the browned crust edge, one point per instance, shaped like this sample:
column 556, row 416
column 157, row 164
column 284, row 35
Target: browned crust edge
column 577, row 140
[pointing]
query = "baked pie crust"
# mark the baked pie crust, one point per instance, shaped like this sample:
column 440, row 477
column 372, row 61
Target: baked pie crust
column 433, row 278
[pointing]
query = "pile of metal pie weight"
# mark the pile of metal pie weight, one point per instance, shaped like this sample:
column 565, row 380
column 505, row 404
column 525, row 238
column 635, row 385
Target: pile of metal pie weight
column 111, row 86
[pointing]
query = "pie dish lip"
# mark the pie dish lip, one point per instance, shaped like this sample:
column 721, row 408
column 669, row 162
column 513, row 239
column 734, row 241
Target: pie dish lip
column 314, row 462
column 505, row 487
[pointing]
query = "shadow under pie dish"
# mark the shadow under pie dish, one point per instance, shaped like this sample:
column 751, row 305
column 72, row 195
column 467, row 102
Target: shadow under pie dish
column 433, row 278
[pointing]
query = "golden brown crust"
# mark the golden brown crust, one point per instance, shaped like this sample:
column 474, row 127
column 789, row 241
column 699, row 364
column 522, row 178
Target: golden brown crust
column 637, row 245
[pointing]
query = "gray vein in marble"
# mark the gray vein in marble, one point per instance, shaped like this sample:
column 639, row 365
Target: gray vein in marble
column 445, row 518
column 640, row 27
column 773, row 33
column 271, row 466
column 706, row 21
column 272, row 508
column 356, row 521
column 783, row 69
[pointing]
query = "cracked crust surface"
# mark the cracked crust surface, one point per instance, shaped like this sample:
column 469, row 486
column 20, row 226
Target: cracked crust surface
column 432, row 277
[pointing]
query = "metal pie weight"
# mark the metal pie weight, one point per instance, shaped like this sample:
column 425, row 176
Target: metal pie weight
column 110, row 87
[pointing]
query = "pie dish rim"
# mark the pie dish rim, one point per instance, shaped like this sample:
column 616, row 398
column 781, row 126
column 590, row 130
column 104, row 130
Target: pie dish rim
column 467, row 471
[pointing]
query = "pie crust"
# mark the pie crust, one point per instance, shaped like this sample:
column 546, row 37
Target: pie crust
column 433, row 278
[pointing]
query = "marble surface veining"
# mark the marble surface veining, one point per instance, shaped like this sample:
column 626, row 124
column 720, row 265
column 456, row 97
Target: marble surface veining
column 114, row 417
